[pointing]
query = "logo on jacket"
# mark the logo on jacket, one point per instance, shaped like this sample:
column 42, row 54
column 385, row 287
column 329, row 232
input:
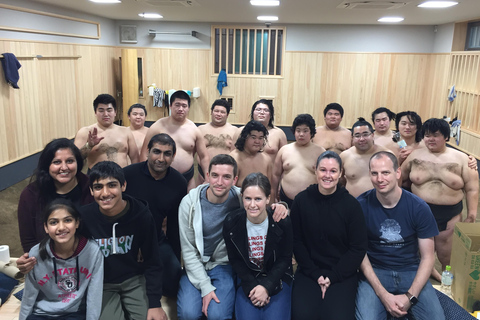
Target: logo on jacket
column 123, row 245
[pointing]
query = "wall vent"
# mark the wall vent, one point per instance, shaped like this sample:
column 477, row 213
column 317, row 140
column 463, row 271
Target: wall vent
column 128, row 34
column 173, row 3
column 371, row 5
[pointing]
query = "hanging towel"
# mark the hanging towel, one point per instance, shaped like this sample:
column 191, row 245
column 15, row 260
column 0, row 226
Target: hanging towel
column 158, row 95
column 455, row 132
column 10, row 68
column 452, row 94
column 221, row 81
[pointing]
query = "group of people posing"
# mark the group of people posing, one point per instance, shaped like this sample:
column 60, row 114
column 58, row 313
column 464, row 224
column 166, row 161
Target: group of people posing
column 109, row 245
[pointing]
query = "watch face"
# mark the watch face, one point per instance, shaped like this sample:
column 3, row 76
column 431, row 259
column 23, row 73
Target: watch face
column 413, row 300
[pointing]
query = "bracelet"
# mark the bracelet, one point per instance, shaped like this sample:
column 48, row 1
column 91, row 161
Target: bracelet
column 284, row 203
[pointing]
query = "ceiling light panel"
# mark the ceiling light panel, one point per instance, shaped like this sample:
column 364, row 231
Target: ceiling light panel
column 106, row 1
column 267, row 18
column 437, row 4
column 265, row 3
column 391, row 19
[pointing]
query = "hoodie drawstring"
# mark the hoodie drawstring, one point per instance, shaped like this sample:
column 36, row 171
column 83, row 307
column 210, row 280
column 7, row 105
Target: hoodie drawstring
column 78, row 274
column 55, row 269
column 114, row 239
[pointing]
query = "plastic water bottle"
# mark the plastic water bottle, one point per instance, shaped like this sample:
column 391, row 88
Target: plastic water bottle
column 447, row 278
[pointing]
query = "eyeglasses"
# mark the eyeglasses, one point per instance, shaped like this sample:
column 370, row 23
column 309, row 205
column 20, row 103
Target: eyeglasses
column 362, row 135
column 260, row 110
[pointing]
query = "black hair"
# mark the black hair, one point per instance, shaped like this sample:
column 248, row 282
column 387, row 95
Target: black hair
column 44, row 182
column 222, row 103
column 104, row 98
column 334, row 106
column 224, row 159
column 137, row 106
column 307, row 120
column 163, row 139
column 257, row 179
column 56, row 204
column 180, row 94
column 104, row 170
column 433, row 125
column 269, row 104
column 390, row 114
column 329, row 155
column 412, row 116
column 381, row 154
column 362, row 122
column 252, row 125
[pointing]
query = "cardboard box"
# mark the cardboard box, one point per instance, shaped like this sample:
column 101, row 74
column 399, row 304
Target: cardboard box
column 465, row 262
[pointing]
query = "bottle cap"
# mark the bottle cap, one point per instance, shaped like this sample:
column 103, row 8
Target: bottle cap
column 448, row 268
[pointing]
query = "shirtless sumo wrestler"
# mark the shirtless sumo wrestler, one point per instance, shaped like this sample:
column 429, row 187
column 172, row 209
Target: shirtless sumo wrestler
column 332, row 136
column 263, row 111
column 441, row 176
column 187, row 136
column 295, row 162
column 105, row 140
column 137, row 114
column 356, row 159
column 249, row 152
column 218, row 133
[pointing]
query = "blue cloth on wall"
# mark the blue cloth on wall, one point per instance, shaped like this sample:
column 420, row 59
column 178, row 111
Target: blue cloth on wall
column 221, row 81
column 10, row 68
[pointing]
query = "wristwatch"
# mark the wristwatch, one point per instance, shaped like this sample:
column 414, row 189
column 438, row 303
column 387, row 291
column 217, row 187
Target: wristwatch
column 412, row 298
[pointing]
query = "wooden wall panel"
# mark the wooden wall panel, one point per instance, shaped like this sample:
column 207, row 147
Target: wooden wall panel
column 464, row 73
column 55, row 95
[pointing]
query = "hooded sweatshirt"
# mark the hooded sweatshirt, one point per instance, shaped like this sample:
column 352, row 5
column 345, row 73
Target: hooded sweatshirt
column 120, row 242
column 57, row 287
column 329, row 234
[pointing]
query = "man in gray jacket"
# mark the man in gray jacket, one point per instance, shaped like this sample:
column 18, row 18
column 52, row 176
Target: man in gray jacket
column 208, row 275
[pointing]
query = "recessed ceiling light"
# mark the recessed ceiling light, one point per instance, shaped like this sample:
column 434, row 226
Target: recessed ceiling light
column 437, row 4
column 106, row 1
column 391, row 19
column 270, row 3
column 147, row 15
column 267, row 18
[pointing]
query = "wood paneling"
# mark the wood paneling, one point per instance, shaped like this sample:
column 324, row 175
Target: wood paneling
column 464, row 73
column 360, row 82
column 55, row 95
column 459, row 36
column 129, row 81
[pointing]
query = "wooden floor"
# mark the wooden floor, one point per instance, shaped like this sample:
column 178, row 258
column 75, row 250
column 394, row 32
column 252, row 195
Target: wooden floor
column 11, row 309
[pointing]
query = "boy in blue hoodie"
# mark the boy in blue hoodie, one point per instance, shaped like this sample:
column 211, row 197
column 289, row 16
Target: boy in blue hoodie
column 123, row 226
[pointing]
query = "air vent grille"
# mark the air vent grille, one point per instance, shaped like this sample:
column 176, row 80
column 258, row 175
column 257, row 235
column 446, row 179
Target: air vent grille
column 372, row 5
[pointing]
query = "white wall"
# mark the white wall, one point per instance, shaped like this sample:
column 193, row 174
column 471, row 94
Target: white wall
column 12, row 18
column 444, row 38
column 360, row 38
column 328, row 38
column 169, row 41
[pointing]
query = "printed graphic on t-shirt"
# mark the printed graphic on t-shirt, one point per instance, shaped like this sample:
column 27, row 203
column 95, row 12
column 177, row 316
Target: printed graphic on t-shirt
column 390, row 233
column 256, row 247
column 123, row 245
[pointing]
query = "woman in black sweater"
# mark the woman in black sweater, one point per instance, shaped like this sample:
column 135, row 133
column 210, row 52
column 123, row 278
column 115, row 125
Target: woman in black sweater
column 329, row 243
column 260, row 251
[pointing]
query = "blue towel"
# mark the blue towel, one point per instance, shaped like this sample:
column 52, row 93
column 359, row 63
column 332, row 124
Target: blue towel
column 452, row 94
column 10, row 68
column 221, row 81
